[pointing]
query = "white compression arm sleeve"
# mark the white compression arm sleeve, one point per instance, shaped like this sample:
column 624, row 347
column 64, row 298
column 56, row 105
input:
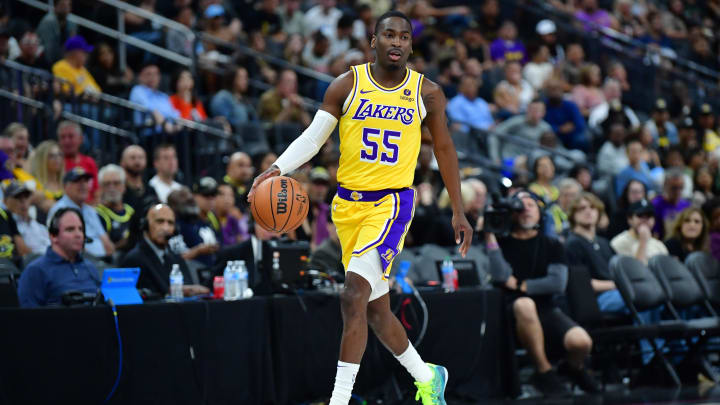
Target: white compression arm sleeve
column 308, row 144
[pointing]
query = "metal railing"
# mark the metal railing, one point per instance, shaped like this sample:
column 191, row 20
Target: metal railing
column 122, row 7
column 620, row 42
column 120, row 35
column 110, row 122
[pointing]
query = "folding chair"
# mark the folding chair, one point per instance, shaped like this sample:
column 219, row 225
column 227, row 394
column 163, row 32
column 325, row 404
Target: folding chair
column 706, row 270
column 641, row 291
column 683, row 292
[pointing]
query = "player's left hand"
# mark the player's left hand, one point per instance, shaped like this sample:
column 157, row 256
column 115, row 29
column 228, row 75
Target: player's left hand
column 461, row 226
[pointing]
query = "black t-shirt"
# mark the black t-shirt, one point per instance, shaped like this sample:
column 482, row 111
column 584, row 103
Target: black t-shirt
column 117, row 224
column 8, row 229
column 676, row 248
column 140, row 199
column 529, row 258
column 594, row 255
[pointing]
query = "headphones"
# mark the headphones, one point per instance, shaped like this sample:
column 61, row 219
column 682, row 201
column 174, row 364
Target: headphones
column 145, row 224
column 538, row 201
column 54, row 228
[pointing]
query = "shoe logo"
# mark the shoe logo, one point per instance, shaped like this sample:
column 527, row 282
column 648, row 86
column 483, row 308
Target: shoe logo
column 379, row 203
column 366, row 91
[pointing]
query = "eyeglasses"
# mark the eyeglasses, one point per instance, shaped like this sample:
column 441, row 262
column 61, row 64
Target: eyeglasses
column 115, row 183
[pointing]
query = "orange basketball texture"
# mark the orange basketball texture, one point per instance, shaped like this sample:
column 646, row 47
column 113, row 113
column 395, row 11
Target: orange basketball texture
column 279, row 204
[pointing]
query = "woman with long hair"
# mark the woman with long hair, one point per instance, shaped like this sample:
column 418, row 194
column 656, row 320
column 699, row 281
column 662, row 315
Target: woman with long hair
column 184, row 98
column 688, row 234
column 544, row 171
column 48, row 166
column 588, row 93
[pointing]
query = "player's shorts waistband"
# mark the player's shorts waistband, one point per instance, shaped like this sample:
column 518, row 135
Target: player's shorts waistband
column 353, row 195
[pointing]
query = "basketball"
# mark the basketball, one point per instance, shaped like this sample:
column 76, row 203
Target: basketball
column 279, row 204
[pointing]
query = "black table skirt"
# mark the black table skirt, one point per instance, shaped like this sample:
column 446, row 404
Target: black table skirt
column 266, row 350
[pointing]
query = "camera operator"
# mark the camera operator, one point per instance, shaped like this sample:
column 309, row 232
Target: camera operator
column 532, row 267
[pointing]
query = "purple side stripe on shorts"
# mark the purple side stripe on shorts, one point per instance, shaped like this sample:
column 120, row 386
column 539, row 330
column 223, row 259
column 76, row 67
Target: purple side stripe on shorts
column 389, row 248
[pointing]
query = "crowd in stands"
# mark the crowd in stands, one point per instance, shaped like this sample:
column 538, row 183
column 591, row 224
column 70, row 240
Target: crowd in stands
column 612, row 176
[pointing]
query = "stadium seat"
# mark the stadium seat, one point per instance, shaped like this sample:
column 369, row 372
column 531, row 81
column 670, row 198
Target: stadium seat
column 683, row 292
column 8, row 283
column 706, row 270
column 641, row 291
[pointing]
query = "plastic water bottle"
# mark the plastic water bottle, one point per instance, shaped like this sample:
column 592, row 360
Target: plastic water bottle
column 176, row 283
column 276, row 273
column 449, row 275
column 242, row 275
column 400, row 277
column 230, row 277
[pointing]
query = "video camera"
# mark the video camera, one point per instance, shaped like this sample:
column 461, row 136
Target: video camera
column 498, row 216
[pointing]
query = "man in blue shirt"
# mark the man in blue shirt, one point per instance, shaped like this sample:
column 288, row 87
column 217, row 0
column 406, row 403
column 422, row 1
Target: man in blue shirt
column 637, row 169
column 565, row 118
column 76, row 184
column 468, row 108
column 146, row 94
column 62, row 268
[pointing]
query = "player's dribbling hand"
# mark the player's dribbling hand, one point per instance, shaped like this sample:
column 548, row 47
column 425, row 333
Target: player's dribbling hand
column 272, row 171
column 462, row 227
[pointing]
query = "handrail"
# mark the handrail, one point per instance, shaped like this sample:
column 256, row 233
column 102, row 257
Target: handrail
column 625, row 39
column 120, row 102
column 70, row 116
column 324, row 77
column 155, row 17
column 115, row 34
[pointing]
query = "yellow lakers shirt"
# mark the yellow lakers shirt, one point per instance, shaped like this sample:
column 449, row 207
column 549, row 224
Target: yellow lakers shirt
column 380, row 132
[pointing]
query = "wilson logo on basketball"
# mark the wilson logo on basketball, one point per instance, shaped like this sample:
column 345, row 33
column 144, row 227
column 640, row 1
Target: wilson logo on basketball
column 279, row 204
column 282, row 198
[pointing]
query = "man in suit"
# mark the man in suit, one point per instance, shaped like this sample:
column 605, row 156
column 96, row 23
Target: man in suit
column 155, row 259
column 251, row 251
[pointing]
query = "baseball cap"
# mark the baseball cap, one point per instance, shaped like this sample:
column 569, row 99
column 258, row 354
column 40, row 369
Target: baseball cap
column 706, row 109
column 214, row 10
column 76, row 174
column 641, row 207
column 545, row 27
column 319, row 175
column 660, row 105
column 15, row 189
column 77, row 42
column 206, row 186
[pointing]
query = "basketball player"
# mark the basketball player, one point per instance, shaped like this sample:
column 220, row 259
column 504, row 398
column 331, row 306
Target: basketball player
column 381, row 107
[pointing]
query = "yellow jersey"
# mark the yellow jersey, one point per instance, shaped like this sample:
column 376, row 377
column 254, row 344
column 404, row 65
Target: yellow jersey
column 380, row 132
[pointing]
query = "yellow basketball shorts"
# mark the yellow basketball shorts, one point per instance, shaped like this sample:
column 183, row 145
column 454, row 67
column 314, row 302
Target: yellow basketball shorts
column 368, row 220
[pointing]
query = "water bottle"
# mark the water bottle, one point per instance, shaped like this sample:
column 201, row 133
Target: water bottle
column 449, row 275
column 176, row 283
column 242, row 274
column 400, row 277
column 230, row 277
column 276, row 273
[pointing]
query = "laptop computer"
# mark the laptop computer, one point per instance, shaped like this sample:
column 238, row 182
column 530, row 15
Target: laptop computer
column 119, row 285
column 466, row 269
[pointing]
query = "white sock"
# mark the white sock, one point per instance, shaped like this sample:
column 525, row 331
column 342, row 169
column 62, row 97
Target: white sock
column 344, row 380
column 417, row 368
